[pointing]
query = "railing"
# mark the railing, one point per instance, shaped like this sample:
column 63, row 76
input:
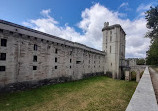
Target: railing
column 143, row 98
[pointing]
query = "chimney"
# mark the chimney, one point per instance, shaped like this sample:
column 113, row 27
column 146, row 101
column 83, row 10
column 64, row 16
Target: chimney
column 106, row 24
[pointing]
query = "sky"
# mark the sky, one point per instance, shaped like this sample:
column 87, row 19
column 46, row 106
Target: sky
column 82, row 20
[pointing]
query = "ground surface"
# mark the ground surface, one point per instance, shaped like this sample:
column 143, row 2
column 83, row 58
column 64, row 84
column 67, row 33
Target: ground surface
column 97, row 93
column 154, row 78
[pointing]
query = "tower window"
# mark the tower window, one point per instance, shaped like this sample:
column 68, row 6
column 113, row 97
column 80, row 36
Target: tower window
column 70, row 60
column 56, row 59
column 35, row 47
column 110, row 38
column 55, row 67
column 34, row 58
column 70, row 67
column 56, row 51
column 34, row 67
column 2, row 56
column 4, row 42
column 110, row 49
column 2, row 68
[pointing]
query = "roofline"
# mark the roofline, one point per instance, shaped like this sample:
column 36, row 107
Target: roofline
column 48, row 35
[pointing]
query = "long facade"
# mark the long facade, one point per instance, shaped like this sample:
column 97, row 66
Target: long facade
column 28, row 55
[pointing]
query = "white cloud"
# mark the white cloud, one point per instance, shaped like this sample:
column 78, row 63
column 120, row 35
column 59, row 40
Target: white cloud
column 143, row 7
column 124, row 4
column 92, row 22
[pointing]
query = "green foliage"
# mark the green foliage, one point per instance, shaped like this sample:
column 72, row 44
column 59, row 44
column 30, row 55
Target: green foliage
column 140, row 61
column 152, row 54
column 152, row 24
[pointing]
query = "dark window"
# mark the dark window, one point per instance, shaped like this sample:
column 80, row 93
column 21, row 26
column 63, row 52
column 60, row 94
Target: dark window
column 70, row 60
column 4, row 42
column 35, row 47
column 34, row 67
column 111, row 64
column 56, row 51
column 110, row 38
column 78, row 62
column 70, row 67
column 70, row 52
column 2, row 68
column 110, row 49
column 94, row 61
column 55, row 67
column 56, row 59
column 34, row 58
column 2, row 56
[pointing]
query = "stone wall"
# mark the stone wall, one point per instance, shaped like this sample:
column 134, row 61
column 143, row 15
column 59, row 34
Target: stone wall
column 34, row 56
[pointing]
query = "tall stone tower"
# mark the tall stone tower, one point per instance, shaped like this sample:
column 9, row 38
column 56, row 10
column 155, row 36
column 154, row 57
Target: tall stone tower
column 114, row 46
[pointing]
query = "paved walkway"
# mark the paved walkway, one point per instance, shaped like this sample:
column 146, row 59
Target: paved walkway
column 143, row 98
column 154, row 78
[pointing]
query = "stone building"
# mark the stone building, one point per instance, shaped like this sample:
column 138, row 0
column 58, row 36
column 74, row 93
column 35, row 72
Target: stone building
column 29, row 56
column 114, row 46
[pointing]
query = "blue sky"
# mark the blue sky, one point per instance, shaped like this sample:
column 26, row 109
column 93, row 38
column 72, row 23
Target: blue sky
column 82, row 20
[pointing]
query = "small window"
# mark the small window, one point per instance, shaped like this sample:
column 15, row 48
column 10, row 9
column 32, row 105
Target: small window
column 34, row 67
column 4, row 42
column 2, row 68
column 55, row 59
column 70, row 67
column 110, row 38
column 56, row 51
column 70, row 60
column 34, row 58
column 110, row 49
column 78, row 62
column 70, row 52
column 2, row 56
column 35, row 47
column 110, row 32
column 111, row 64
column 55, row 67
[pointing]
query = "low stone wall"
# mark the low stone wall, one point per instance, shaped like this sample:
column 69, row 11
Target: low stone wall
column 143, row 98
column 35, row 84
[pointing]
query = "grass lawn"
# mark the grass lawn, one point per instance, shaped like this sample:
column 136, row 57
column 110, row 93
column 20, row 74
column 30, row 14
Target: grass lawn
column 96, row 93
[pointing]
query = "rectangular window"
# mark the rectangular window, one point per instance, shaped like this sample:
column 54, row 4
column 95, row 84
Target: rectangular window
column 55, row 67
column 35, row 47
column 34, row 67
column 2, row 68
column 34, row 58
column 110, row 38
column 56, row 51
column 110, row 49
column 56, row 59
column 70, row 67
column 70, row 60
column 2, row 56
column 4, row 42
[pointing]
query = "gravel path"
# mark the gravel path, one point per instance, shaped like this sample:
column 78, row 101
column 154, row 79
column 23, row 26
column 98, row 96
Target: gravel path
column 154, row 78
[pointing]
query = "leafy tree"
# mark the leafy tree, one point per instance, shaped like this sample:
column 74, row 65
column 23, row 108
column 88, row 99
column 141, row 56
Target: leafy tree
column 140, row 61
column 152, row 24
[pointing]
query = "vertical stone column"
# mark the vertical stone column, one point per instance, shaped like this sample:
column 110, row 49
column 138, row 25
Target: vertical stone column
column 127, row 75
column 137, row 76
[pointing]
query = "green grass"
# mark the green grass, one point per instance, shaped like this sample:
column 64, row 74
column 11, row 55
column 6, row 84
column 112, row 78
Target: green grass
column 96, row 93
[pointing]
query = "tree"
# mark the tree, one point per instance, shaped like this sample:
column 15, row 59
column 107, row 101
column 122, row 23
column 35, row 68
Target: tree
column 140, row 61
column 152, row 24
